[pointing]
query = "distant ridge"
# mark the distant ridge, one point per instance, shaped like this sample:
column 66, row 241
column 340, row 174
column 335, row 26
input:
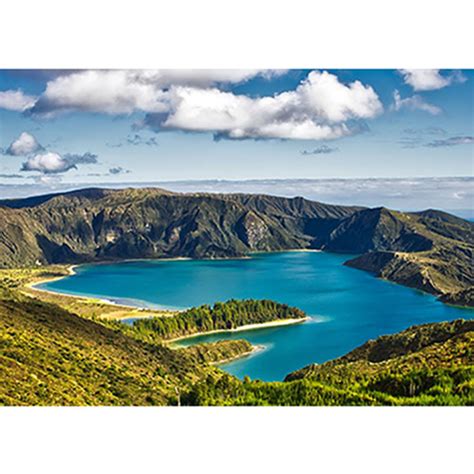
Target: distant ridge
column 88, row 193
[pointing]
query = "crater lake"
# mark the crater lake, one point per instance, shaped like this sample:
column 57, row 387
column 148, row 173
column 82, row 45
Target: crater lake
column 347, row 306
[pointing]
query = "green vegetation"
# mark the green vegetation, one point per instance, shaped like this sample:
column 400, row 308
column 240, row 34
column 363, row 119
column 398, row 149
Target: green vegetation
column 220, row 351
column 424, row 365
column 91, row 308
column 222, row 316
column 429, row 250
column 59, row 350
column 49, row 356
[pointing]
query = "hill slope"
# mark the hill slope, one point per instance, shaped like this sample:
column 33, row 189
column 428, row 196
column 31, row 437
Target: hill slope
column 425, row 365
column 430, row 250
column 49, row 356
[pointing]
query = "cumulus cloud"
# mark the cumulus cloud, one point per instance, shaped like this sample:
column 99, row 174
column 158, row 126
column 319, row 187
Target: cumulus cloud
column 24, row 145
column 125, row 91
column 16, row 100
column 452, row 141
column 430, row 79
column 321, row 150
column 53, row 163
column 110, row 92
column 414, row 102
column 321, row 107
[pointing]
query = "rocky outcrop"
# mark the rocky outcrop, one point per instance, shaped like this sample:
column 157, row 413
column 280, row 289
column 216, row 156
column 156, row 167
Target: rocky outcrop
column 253, row 231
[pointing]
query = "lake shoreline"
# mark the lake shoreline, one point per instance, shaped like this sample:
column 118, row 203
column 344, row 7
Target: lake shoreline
column 71, row 272
column 245, row 327
column 255, row 350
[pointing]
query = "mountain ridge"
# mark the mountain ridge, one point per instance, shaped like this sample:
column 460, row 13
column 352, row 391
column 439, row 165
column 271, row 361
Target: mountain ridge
column 430, row 250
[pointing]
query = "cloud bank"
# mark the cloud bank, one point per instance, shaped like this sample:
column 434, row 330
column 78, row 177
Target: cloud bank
column 320, row 107
column 407, row 194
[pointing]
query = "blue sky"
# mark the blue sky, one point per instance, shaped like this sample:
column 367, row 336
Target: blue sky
column 195, row 125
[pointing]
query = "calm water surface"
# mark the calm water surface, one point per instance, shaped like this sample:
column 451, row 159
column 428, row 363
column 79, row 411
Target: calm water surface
column 347, row 306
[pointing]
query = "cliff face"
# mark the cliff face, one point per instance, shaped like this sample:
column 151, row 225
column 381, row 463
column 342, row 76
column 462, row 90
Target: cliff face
column 97, row 224
column 430, row 250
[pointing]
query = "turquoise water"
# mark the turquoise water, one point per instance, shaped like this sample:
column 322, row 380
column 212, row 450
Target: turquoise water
column 347, row 306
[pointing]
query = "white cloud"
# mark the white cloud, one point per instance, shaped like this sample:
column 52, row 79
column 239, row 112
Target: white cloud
column 16, row 100
column 125, row 91
column 25, row 144
column 52, row 163
column 414, row 102
column 110, row 92
column 429, row 79
column 203, row 77
column 317, row 109
column 320, row 107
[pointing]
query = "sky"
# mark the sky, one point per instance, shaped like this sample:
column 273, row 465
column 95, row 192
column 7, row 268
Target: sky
column 60, row 129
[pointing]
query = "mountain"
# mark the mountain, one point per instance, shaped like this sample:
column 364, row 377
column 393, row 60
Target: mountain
column 429, row 250
column 99, row 224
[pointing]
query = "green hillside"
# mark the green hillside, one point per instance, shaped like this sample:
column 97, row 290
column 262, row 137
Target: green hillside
column 424, row 365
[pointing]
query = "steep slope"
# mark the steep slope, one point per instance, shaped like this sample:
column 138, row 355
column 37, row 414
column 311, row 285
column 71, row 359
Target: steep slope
column 429, row 250
column 377, row 229
column 145, row 223
column 49, row 356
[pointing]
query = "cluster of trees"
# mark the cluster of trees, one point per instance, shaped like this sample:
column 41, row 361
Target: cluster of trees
column 221, row 316
column 443, row 386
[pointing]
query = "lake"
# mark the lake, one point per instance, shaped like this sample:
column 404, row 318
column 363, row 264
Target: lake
column 347, row 306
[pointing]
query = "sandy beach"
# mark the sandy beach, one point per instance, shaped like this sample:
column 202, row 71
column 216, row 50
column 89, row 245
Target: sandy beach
column 246, row 327
column 137, row 311
column 123, row 310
